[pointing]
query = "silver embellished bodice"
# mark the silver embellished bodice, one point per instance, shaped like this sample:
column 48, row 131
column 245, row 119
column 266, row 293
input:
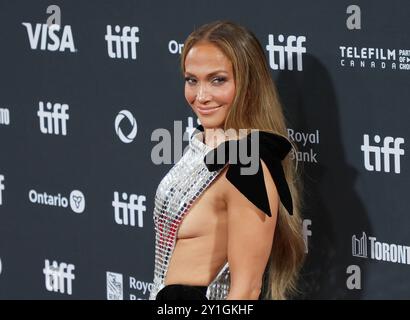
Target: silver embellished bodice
column 176, row 193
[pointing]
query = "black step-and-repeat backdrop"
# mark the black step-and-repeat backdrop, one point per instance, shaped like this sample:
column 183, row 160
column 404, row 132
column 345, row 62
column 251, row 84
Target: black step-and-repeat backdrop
column 92, row 116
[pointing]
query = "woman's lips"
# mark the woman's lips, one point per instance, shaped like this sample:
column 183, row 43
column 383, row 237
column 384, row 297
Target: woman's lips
column 206, row 111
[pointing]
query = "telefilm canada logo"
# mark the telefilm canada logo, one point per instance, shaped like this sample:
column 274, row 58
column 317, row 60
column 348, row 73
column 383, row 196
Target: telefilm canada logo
column 364, row 57
column 374, row 58
column 364, row 246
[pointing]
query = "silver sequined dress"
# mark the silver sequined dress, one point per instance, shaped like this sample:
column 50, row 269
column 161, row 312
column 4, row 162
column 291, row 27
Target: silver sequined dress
column 176, row 193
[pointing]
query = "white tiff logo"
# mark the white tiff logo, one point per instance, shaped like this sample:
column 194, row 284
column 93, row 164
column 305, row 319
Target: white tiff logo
column 50, row 40
column 290, row 49
column 54, row 120
column 4, row 116
column 58, row 275
column 124, row 211
column 386, row 150
column 1, row 188
column 117, row 45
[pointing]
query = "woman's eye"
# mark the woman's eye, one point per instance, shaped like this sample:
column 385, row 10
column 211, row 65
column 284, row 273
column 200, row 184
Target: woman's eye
column 189, row 80
column 219, row 80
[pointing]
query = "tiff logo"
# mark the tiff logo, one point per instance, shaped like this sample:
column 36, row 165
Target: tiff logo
column 293, row 46
column 386, row 150
column 4, row 116
column 124, row 211
column 52, row 120
column 1, row 188
column 56, row 275
column 115, row 286
column 359, row 246
column 117, row 45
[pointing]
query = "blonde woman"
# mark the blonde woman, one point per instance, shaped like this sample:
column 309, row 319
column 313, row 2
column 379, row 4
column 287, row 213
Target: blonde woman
column 221, row 234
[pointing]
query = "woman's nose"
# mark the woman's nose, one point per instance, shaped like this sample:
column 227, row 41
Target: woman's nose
column 202, row 94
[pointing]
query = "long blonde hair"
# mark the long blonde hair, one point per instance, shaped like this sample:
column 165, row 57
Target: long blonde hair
column 256, row 105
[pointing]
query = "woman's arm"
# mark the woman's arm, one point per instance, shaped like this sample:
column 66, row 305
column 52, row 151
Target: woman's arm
column 250, row 236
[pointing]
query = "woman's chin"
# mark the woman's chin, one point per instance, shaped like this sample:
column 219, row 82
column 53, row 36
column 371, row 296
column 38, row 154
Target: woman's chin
column 210, row 123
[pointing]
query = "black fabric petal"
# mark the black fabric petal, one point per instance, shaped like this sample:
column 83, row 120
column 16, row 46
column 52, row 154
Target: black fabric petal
column 273, row 149
column 251, row 186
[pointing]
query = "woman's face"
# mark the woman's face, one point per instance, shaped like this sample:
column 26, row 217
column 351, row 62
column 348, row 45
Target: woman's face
column 209, row 84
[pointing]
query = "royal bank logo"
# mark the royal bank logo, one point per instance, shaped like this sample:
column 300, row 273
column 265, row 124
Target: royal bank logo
column 76, row 200
column 122, row 41
column 53, row 118
column 124, row 118
column 59, row 277
column 307, row 142
column 374, row 155
column 2, row 187
column 141, row 288
column 121, row 287
column 50, row 37
column 364, row 246
column 4, row 116
column 286, row 52
column 115, row 287
column 129, row 210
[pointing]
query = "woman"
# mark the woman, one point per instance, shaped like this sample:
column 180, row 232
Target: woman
column 221, row 234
